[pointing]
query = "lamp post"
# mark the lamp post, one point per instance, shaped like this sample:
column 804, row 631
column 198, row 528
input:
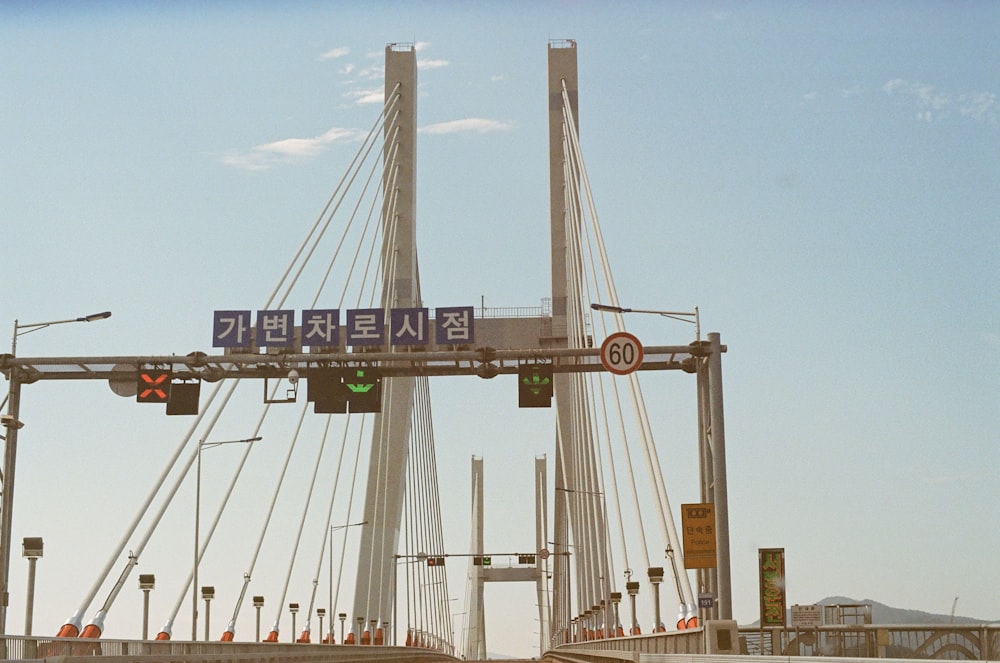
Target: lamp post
column 632, row 587
column 342, row 617
column 207, row 593
column 616, row 598
column 147, row 581
column 11, row 422
column 655, row 574
column 31, row 548
column 321, row 613
column 197, row 527
column 258, row 602
column 334, row 528
column 294, row 609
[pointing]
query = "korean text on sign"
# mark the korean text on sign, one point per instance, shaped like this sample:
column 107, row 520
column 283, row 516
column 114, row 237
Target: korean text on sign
column 361, row 327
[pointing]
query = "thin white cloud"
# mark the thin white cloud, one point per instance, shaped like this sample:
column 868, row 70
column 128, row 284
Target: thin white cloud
column 421, row 45
column 476, row 124
column 432, row 64
column 288, row 150
column 335, row 53
column 933, row 104
column 978, row 106
column 363, row 97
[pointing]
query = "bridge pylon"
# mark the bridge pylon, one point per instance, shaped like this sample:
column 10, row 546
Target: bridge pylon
column 531, row 567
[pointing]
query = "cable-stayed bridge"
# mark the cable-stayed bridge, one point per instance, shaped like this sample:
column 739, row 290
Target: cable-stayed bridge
column 346, row 342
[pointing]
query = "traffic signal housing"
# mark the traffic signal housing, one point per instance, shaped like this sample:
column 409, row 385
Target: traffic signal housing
column 325, row 388
column 338, row 390
column 364, row 389
column 152, row 385
column 184, row 397
column 534, row 385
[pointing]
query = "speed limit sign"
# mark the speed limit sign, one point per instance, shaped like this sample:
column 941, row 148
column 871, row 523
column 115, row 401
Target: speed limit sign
column 621, row 353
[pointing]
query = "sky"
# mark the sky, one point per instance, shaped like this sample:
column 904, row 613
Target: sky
column 820, row 179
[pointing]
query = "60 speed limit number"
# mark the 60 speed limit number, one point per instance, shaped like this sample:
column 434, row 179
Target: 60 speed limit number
column 621, row 353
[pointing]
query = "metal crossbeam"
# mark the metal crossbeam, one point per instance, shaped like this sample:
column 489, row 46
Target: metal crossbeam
column 484, row 362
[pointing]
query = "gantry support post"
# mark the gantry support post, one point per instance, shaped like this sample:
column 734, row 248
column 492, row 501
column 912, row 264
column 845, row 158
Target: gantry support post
column 714, row 485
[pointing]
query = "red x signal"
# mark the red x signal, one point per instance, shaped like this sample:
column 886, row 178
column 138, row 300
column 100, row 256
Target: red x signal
column 153, row 386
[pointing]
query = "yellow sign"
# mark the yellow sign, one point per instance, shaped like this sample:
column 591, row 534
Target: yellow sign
column 698, row 521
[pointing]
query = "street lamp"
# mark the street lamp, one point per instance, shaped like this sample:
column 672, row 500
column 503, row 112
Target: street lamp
column 632, row 587
column 31, row 548
column 197, row 527
column 655, row 574
column 147, row 581
column 691, row 317
column 342, row 617
column 294, row 609
column 11, row 422
column 616, row 598
column 207, row 593
column 258, row 602
column 321, row 613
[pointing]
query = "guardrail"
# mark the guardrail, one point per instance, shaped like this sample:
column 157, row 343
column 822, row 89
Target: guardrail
column 80, row 650
column 945, row 641
column 884, row 642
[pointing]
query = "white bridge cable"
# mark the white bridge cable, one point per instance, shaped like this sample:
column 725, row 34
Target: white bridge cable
column 374, row 201
column 633, row 484
column 172, row 461
column 77, row 617
column 98, row 619
column 316, row 238
column 381, row 419
column 598, row 530
column 274, row 499
column 574, row 159
column 592, row 532
column 441, row 606
column 350, row 504
column 349, row 175
column 666, row 516
column 302, row 520
column 388, row 262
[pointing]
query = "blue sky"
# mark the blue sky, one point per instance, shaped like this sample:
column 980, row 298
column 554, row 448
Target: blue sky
column 821, row 179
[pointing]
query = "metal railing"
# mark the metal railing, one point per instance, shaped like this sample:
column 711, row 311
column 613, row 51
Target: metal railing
column 946, row 641
column 71, row 650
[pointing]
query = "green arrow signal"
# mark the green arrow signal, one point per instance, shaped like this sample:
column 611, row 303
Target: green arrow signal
column 535, row 383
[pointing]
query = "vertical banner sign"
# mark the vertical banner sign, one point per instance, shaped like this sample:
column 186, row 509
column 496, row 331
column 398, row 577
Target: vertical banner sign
column 772, row 586
column 698, row 522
